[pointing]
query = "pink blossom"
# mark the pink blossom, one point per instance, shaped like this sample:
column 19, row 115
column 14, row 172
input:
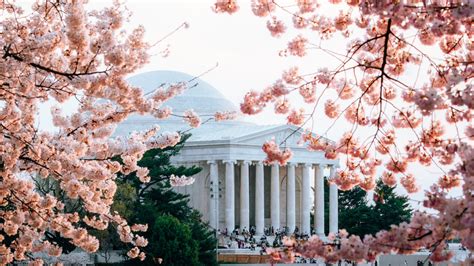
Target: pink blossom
column 367, row 183
column 279, row 89
column 428, row 100
column 297, row 46
column 192, row 118
column 291, row 76
column 331, row 109
column 299, row 21
column 345, row 180
column 141, row 241
column 275, row 154
column 389, row 179
column 252, row 103
column 139, row 227
column 133, row 253
column 296, row 117
column 409, row 183
column 306, row 6
column 308, row 92
column 221, row 116
column 262, row 8
column 162, row 113
column 161, row 94
column 448, row 181
column 179, row 181
column 142, row 174
column 225, row 6
column 10, row 228
column 342, row 21
column 276, row 27
column 346, row 91
column 282, row 106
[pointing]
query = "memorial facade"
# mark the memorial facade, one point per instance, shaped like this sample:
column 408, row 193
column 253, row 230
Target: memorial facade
column 235, row 188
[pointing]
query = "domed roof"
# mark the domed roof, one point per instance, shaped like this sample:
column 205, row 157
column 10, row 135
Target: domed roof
column 200, row 96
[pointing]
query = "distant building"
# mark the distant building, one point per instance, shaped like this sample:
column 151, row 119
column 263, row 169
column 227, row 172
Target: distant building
column 235, row 189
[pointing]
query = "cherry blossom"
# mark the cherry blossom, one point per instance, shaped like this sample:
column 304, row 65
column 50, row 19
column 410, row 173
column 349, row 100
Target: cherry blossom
column 179, row 181
column 282, row 106
column 405, row 74
column 296, row 116
column 297, row 46
column 262, row 8
column 275, row 154
column 228, row 6
column 276, row 27
column 65, row 51
column 221, row 116
column 291, row 76
column 192, row 118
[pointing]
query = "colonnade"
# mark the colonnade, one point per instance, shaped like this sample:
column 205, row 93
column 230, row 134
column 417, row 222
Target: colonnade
column 275, row 190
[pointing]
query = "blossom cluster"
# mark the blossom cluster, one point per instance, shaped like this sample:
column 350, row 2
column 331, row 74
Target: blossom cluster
column 374, row 93
column 192, row 118
column 222, row 116
column 275, row 154
column 179, row 181
column 64, row 53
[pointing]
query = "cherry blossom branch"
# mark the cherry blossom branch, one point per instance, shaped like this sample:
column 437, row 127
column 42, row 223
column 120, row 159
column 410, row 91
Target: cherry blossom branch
column 69, row 75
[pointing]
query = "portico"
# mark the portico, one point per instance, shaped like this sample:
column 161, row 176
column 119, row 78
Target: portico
column 291, row 214
column 243, row 191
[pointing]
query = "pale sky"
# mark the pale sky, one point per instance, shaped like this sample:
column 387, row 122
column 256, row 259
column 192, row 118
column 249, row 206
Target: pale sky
column 245, row 51
column 242, row 46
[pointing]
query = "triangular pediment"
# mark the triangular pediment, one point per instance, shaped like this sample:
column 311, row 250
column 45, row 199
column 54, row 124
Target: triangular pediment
column 286, row 135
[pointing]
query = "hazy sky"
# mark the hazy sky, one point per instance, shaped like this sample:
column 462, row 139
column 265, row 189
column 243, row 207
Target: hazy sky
column 244, row 49
column 246, row 54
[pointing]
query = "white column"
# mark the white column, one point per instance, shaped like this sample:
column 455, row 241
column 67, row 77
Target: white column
column 259, row 199
column 275, row 196
column 319, row 200
column 290, row 198
column 229, row 196
column 244, row 195
column 333, row 204
column 214, row 195
column 306, row 200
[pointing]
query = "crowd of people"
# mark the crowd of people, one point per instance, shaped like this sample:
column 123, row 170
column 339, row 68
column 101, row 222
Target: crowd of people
column 246, row 238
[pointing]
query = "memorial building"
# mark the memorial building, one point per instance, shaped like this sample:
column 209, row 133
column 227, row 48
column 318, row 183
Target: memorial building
column 235, row 189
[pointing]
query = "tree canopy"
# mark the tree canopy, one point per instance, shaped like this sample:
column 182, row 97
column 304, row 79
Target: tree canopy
column 360, row 218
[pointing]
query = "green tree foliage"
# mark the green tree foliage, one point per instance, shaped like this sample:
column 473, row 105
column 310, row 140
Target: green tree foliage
column 172, row 241
column 390, row 207
column 357, row 217
column 156, row 203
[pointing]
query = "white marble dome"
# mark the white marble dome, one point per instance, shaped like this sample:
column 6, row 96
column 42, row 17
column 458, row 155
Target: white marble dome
column 203, row 98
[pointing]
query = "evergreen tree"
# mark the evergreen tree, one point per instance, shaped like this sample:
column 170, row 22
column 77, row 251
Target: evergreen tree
column 357, row 217
column 390, row 207
column 172, row 241
column 157, row 199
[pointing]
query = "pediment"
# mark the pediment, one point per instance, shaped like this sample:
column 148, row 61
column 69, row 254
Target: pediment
column 286, row 135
